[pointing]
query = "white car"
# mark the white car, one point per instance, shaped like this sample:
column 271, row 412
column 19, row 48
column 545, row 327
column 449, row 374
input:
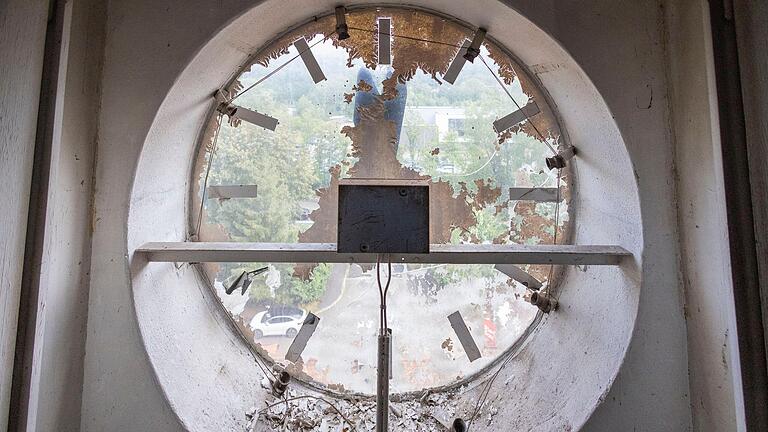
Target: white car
column 263, row 324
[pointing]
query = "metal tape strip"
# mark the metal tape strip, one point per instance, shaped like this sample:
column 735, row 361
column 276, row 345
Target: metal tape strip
column 385, row 41
column 309, row 60
column 465, row 337
column 256, row 118
column 519, row 275
column 457, row 64
column 231, row 191
column 516, row 117
column 533, row 194
column 301, row 339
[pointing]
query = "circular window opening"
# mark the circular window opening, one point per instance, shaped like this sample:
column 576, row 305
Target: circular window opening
column 372, row 121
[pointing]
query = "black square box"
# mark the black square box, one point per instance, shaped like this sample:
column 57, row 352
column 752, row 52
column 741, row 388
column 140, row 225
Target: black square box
column 383, row 216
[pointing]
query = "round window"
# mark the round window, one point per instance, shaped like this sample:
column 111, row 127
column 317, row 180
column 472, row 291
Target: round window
column 366, row 120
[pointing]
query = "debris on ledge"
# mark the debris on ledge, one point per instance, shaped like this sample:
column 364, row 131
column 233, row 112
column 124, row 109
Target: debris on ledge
column 299, row 411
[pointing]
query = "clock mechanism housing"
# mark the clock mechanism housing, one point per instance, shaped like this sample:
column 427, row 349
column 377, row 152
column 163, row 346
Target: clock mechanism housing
column 383, row 217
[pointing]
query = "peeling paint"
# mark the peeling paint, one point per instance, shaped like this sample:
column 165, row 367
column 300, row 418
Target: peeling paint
column 447, row 344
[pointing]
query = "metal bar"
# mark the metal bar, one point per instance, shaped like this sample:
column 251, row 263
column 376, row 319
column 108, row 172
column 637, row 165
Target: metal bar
column 342, row 29
column 232, row 191
column 389, row 336
column 326, row 252
column 300, row 341
column 385, row 41
column 519, row 275
column 465, row 337
column 382, row 383
column 474, row 48
column 533, row 194
column 457, row 64
column 256, row 118
column 515, row 117
column 309, row 60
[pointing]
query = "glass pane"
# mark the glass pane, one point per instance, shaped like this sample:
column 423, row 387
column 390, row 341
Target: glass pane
column 342, row 351
column 384, row 122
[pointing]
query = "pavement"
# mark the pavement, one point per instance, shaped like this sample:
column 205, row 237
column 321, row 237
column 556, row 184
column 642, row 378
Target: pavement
column 334, row 289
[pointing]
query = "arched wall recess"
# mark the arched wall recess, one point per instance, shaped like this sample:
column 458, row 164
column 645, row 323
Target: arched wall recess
column 206, row 371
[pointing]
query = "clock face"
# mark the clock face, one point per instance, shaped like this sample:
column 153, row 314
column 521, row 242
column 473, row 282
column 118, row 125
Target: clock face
column 366, row 120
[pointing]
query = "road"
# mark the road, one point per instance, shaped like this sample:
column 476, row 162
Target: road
column 334, row 289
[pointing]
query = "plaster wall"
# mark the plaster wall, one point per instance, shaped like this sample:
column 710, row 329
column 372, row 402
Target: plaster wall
column 716, row 401
column 618, row 45
column 63, row 296
column 22, row 40
column 143, row 55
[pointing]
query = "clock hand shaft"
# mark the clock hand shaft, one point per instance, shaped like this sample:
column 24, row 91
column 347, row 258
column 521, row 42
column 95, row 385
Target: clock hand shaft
column 382, row 381
column 384, row 366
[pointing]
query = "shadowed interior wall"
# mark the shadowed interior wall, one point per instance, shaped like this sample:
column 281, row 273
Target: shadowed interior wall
column 716, row 401
column 68, row 240
column 22, row 40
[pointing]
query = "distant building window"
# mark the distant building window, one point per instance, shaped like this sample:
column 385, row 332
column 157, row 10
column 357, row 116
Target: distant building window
column 456, row 125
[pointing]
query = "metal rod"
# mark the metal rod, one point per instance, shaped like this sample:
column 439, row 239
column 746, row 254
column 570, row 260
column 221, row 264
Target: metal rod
column 382, row 381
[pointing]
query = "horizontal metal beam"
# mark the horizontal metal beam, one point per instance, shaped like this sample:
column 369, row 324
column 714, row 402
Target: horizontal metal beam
column 326, row 252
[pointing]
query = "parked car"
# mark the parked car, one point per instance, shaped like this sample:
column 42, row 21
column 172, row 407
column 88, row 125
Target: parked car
column 278, row 310
column 266, row 324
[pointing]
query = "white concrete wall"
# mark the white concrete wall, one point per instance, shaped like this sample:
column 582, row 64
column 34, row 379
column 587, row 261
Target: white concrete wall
column 143, row 57
column 622, row 49
column 713, row 354
column 22, row 40
column 618, row 44
column 63, row 298
column 55, row 380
